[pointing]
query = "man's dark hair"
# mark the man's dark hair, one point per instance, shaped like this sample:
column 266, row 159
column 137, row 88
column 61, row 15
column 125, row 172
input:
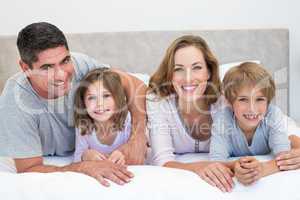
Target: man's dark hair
column 38, row 37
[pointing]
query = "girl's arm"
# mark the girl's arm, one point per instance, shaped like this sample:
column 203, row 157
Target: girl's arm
column 81, row 145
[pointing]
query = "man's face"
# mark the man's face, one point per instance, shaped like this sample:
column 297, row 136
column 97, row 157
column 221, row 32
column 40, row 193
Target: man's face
column 51, row 75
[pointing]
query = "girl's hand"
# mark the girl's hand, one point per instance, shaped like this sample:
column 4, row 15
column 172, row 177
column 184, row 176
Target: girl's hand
column 117, row 157
column 289, row 160
column 92, row 155
column 248, row 170
column 217, row 175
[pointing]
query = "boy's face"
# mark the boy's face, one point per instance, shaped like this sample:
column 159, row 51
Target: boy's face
column 51, row 75
column 250, row 107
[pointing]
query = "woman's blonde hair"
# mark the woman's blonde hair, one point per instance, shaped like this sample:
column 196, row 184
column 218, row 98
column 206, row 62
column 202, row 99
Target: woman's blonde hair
column 245, row 74
column 161, row 81
column 112, row 82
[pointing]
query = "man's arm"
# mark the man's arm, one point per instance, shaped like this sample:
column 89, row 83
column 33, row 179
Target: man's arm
column 100, row 170
column 135, row 149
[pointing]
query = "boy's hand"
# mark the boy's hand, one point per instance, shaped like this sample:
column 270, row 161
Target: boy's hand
column 117, row 157
column 92, row 155
column 248, row 170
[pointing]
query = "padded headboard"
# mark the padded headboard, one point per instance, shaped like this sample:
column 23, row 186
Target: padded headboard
column 143, row 51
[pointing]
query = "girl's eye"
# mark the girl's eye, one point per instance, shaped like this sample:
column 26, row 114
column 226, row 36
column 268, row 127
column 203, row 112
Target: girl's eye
column 106, row 95
column 91, row 98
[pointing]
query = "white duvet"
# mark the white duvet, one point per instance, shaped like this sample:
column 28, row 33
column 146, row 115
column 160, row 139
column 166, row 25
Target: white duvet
column 149, row 183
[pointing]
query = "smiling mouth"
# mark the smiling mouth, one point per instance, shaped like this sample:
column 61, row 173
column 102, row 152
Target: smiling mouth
column 100, row 112
column 189, row 88
column 252, row 116
column 59, row 83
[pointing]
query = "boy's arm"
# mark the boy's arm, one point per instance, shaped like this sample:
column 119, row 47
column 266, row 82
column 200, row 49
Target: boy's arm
column 135, row 149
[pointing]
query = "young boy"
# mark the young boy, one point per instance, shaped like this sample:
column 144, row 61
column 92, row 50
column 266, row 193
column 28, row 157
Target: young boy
column 251, row 126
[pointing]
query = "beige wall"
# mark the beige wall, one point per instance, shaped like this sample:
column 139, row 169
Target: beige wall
column 118, row 15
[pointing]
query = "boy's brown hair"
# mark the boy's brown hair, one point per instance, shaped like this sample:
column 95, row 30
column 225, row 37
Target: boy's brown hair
column 248, row 73
column 112, row 82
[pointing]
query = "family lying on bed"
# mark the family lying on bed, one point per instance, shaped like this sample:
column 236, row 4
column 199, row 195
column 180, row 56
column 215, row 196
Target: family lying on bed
column 59, row 95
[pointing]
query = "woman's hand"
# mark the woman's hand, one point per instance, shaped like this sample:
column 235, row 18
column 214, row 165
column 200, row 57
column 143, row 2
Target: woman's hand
column 218, row 175
column 248, row 170
column 289, row 160
column 117, row 157
column 92, row 155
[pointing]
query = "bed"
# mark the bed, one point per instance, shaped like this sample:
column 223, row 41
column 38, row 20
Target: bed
column 140, row 53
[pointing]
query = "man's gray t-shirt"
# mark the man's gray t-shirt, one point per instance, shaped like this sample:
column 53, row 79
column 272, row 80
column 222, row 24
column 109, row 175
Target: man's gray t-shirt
column 31, row 126
column 228, row 140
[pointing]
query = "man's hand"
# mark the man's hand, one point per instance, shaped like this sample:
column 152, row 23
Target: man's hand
column 289, row 160
column 100, row 170
column 248, row 170
column 105, row 169
column 92, row 155
column 117, row 157
column 135, row 150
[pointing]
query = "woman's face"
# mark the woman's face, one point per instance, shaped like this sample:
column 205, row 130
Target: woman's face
column 190, row 73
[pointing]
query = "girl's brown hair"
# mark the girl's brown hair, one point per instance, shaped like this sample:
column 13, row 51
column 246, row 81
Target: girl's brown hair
column 112, row 82
column 160, row 81
column 245, row 74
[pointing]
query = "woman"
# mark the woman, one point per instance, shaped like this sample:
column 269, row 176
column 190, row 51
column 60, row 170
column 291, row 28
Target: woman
column 179, row 105
column 182, row 95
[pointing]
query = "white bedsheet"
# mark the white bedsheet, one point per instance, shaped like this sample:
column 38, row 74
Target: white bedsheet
column 150, row 182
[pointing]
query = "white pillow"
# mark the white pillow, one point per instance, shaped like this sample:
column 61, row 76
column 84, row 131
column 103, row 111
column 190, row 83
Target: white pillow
column 226, row 66
column 7, row 165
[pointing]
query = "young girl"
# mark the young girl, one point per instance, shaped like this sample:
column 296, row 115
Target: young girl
column 251, row 126
column 101, row 117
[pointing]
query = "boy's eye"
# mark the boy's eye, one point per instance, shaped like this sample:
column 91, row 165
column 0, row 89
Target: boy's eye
column 243, row 99
column 261, row 99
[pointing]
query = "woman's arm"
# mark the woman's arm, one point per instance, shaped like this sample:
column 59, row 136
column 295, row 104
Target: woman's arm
column 216, row 174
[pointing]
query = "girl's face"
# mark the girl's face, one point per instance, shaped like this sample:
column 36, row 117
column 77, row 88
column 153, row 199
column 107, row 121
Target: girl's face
column 190, row 73
column 99, row 102
column 249, row 108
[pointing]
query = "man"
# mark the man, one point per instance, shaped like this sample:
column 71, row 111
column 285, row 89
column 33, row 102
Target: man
column 37, row 104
